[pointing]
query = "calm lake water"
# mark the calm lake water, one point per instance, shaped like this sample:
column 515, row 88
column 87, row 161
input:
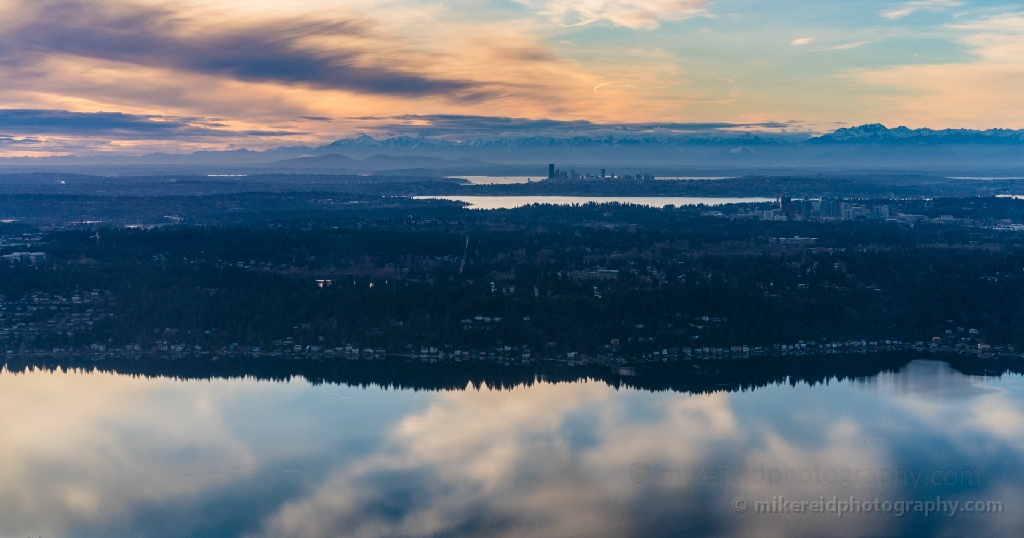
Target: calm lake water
column 501, row 180
column 509, row 180
column 509, row 202
column 97, row 453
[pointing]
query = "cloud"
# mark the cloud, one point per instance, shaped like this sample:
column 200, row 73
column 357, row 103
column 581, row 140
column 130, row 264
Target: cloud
column 102, row 454
column 635, row 14
column 848, row 46
column 276, row 68
column 316, row 52
column 6, row 140
column 117, row 432
column 542, row 461
column 801, row 41
column 909, row 8
column 268, row 72
column 43, row 132
column 39, row 131
column 461, row 126
column 979, row 93
column 557, row 460
column 65, row 122
column 110, row 124
column 34, row 122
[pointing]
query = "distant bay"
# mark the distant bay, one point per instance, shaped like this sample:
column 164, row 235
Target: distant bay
column 509, row 202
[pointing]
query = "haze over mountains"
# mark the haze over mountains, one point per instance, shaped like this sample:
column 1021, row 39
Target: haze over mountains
column 993, row 152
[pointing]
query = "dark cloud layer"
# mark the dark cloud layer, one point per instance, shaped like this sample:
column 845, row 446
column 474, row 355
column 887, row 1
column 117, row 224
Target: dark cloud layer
column 115, row 125
column 441, row 125
column 8, row 141
column 257, row 52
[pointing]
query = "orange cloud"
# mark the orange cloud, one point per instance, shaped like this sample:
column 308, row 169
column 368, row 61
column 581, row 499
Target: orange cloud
column 982, row 93
column 265, row 73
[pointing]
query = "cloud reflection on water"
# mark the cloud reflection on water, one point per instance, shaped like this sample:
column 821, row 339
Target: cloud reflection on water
column 101, row 454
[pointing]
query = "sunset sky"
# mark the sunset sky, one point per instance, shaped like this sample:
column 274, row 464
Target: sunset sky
column 136, row 76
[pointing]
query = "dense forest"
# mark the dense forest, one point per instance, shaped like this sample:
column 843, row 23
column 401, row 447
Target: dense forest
column 394, row 276
column 695, row 377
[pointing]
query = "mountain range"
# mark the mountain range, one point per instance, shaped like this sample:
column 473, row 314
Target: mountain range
column 874, row 146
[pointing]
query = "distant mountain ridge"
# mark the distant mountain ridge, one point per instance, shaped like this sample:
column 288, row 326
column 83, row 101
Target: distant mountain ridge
column 878, row 133
column 874, row 132
column 864, row 147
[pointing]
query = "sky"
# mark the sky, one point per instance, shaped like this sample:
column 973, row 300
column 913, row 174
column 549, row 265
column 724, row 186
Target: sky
column 138, row 76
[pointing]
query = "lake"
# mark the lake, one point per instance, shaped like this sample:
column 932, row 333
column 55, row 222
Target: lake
column 510, row 180
column 501, row 180
column 509, row 202
column 759, row 447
